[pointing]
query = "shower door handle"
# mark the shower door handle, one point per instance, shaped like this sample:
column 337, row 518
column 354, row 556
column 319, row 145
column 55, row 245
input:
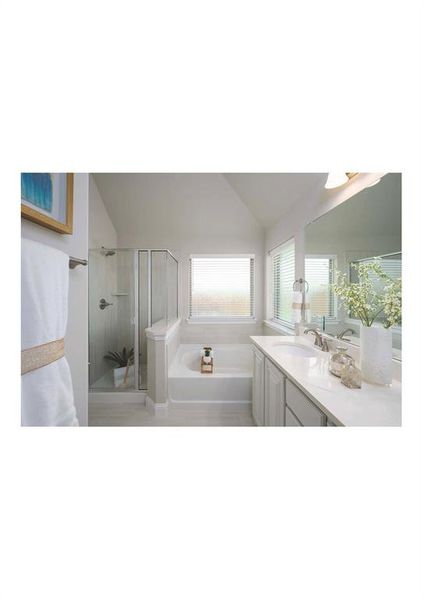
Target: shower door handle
column 103, row 304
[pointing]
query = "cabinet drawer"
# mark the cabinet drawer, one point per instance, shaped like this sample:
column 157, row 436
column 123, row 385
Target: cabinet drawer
column 290, row 419
column 305, row 411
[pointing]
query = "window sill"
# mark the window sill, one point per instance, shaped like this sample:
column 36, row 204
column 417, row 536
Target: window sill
column 283, row 329
column 221, row 321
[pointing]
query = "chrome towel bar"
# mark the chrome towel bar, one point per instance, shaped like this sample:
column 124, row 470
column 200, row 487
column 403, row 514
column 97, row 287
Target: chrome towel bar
column 74, row 262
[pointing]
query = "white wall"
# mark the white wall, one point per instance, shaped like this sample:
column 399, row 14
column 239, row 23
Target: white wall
column 77, row 329
column 102, row 232
column 188, row 214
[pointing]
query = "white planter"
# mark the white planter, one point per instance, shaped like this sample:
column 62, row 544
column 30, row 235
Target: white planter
column 376, row 354
column 119, row 377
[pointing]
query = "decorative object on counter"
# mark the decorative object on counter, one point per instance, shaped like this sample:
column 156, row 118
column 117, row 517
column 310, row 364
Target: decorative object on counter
column 351, row 375
column 375, row 295
column 207, row 360
column 376, row 354
column 300, row 302
column 124, row 374
column 338, row 360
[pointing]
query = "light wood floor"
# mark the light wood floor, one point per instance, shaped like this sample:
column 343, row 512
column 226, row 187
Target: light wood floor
column 130, row 414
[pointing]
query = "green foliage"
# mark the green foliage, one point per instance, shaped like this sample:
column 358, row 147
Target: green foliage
column 122, row 359
column 367, row 301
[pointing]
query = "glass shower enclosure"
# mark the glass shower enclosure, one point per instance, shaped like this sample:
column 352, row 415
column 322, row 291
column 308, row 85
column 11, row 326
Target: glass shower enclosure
column 129, row 291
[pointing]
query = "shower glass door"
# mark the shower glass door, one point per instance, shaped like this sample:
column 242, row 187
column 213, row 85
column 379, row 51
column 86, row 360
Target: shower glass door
column 129, row 291
column 112, row 319
column 143, row 315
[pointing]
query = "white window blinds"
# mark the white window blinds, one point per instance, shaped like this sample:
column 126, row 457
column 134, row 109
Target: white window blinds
column 221, row 287
column 319, row 275
column 391, row 266
column 283, row 268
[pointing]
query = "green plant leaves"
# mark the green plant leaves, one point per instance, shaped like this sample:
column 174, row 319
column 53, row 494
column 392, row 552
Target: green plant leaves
column 122, row 359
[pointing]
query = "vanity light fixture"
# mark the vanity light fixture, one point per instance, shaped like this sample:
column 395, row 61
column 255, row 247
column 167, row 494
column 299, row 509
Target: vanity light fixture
column 374, row 183
column 335, row 180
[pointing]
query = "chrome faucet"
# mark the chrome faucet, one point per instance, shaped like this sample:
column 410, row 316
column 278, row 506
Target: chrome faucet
column 320, row 341
column 340, row 336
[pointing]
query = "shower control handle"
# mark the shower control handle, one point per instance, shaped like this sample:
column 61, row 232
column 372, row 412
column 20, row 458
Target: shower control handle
column 103, row 304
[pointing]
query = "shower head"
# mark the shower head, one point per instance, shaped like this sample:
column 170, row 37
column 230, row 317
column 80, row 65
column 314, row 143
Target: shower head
column 107, row 251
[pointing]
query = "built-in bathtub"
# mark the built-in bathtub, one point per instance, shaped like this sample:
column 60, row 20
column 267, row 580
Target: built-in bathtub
column 231, row 380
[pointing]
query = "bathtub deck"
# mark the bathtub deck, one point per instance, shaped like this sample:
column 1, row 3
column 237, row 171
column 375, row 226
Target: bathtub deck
column 127, row 414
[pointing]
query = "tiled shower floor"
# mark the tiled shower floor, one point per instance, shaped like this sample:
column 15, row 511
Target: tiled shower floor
column 106, row 381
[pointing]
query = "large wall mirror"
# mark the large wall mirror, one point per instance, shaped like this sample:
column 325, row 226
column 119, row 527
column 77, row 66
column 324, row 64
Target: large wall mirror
column 367, row 225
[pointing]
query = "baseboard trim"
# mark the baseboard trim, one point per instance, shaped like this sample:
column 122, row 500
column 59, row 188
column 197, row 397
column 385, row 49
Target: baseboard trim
column 156, row 408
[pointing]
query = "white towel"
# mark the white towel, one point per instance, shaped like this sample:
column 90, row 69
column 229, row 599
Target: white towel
column 47, row 396
column 300, row 307
column 297, row 302
column 307, row 310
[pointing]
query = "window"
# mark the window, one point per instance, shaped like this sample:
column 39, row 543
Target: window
column 221, row 287
column 319, row 275
column 283, row 270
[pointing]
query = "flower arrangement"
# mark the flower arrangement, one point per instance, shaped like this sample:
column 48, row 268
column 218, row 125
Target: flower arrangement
column 368, row 301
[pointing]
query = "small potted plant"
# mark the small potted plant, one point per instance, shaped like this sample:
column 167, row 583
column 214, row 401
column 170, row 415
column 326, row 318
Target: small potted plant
column 375, row 295
column 123, row 374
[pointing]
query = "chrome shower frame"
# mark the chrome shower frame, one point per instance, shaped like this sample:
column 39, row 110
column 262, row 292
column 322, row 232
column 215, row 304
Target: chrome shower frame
column 137, row 302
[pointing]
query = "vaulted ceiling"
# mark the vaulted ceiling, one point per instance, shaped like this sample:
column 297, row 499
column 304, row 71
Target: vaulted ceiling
column 270, row 195
column 186, row 198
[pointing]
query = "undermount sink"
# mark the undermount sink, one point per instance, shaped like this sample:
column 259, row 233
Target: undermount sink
column 295, row 349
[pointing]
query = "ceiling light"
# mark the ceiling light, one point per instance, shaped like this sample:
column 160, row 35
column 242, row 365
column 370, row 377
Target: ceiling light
column 335, row 180
column 374, row 183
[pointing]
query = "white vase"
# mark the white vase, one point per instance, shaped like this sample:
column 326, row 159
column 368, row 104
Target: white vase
column 119, row 377
column 376, row 354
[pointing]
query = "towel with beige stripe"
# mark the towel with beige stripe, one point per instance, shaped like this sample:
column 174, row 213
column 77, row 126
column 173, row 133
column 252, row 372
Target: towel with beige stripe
column 47, row 395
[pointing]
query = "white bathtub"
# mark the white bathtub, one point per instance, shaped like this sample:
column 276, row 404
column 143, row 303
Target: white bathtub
column 231, row 380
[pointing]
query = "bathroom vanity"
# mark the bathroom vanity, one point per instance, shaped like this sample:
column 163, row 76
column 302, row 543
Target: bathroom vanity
column 292, row 386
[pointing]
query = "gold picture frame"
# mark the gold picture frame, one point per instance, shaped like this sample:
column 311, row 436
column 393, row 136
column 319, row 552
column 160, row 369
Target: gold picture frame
column 36, row 216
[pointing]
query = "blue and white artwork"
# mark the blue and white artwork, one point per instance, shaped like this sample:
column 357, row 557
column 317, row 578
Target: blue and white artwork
column 37, row 189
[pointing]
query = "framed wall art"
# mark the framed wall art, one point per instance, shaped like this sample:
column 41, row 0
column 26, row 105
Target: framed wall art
column 47, row 199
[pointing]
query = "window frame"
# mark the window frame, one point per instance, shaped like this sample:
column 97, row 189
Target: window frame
column 334, row 257
column 220, row 319
column 271, row 301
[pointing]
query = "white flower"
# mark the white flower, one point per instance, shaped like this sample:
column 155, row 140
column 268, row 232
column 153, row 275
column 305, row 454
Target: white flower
column 364, row 300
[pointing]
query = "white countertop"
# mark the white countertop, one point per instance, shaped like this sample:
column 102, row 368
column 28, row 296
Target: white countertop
column 372, row 405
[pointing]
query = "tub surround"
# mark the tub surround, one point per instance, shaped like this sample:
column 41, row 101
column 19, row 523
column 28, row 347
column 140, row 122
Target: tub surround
column 230, row 381
column 372, row 405
column 162, row 343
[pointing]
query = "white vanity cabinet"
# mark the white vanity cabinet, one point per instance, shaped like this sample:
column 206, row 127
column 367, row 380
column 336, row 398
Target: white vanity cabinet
column 277, row 402
column 274, row 396
column 290, row 419
column 302, row 408
column 258, row 387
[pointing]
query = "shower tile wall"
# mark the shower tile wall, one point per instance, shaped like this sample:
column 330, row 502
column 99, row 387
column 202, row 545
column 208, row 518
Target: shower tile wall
column 125, row 303
column 103, row 323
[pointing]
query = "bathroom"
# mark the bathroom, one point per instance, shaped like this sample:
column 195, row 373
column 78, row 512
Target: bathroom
column 210, row 299
column 220, row 358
